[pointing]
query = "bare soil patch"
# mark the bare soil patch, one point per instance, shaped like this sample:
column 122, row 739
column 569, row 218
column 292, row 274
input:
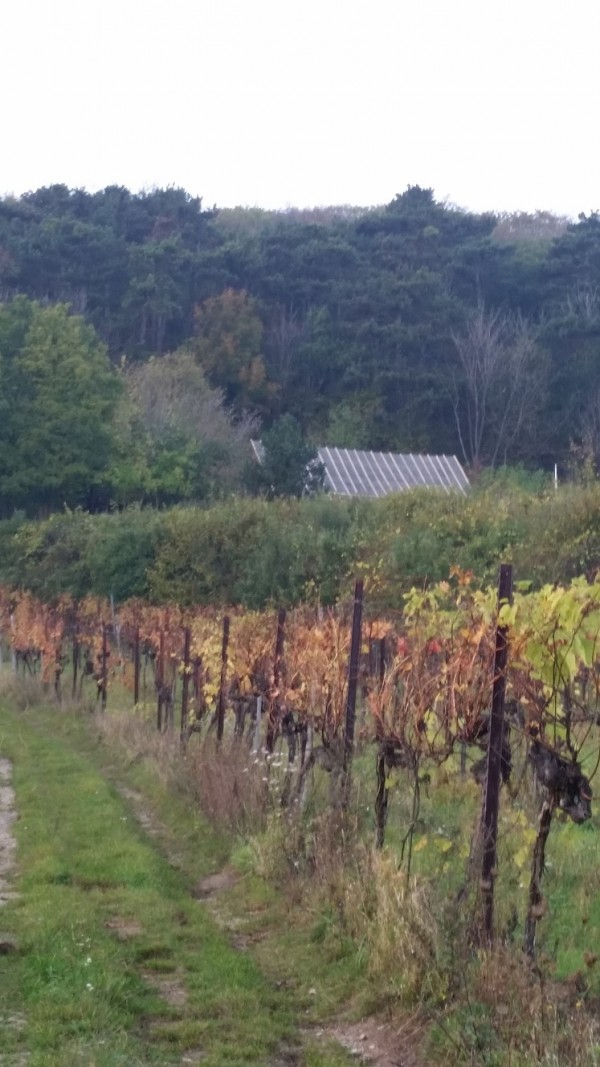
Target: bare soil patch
column 124, row 929
column 143, row 816
column 168, row 986
column 379, row 1043
column 15, row 1022
column 213, row 884
column 193, row 1057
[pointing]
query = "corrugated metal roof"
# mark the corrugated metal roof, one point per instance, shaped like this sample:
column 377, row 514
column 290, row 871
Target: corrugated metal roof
column 353, row 472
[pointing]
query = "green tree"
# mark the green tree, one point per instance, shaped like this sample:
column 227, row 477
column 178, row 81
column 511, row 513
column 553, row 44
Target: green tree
column 177, row 439
column 59, row 392
column 156, row 292
column 289, row 466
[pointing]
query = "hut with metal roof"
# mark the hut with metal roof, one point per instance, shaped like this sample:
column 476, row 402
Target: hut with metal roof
column 357, row 472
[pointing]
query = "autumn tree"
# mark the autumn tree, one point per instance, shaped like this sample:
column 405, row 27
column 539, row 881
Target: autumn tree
column 228, row 344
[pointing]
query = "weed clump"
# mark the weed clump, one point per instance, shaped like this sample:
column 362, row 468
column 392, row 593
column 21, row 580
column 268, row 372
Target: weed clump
column 22, row 691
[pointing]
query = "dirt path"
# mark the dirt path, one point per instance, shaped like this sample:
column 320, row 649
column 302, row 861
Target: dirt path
column 373, row 1042
column 380, row 1044
column 167, row 968
column 7, row 841
column 112, row 961
column 14, row 1021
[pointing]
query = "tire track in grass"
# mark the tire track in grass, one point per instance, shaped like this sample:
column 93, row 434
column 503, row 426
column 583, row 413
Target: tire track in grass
column 370, row 1042
column 8, row 844
column 108, row 934
column 118, row 965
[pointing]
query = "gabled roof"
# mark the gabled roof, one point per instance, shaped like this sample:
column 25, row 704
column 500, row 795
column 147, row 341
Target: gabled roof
column 354, row 472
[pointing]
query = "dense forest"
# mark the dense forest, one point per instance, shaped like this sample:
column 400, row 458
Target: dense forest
column 144, row 339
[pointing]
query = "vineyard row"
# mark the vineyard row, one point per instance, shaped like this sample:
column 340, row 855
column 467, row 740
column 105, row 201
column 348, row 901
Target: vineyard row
column 423, row 682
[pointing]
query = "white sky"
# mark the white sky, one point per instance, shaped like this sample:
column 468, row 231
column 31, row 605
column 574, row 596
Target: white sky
column 493, row 103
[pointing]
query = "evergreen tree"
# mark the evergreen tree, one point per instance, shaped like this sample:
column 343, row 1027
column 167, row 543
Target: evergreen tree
column 289, row 467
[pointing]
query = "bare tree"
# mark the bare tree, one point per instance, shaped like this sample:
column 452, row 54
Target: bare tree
column 498, row 386
column 285, row 335
column 583, row 305
column 585, row 449
column 515, row 226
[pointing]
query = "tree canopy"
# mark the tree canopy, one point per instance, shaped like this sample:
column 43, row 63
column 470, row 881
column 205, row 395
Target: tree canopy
column 58, row 396
column 354, row 322
column 289, row 467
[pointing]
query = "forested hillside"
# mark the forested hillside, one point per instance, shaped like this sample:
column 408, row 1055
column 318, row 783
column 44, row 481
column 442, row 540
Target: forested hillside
column 415, row 326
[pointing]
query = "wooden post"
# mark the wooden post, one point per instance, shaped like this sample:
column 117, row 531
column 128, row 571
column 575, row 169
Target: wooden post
column 463, row 759
column 104, row 667
column 185, row 683
column 116, row 628
column 303, row 742
column 136, row 666
column 75, row 666
column 160, row 679
column 57, row 676
column 534, row 910
column 382, row 660
column 223, row 680
column 256, row 742
column 494, row 759
column 196, row 681
column 353, row 672
column 381, row 799
column 277, row 674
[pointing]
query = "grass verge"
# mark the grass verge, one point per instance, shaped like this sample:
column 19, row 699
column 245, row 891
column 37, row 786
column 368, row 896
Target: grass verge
column 330, row 929
column 117, row 964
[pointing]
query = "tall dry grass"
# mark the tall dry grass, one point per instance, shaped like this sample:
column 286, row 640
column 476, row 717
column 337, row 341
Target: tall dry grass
column 24, row 691
column 226, row 782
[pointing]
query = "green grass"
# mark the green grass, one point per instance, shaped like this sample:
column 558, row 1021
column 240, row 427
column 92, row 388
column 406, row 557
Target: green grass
column 86, row 867
column 87, row 871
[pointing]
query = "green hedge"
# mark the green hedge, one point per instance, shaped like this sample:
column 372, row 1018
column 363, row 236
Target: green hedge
column 255, row 552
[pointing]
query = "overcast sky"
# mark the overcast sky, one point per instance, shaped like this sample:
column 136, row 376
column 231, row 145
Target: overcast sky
column 275, row 102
